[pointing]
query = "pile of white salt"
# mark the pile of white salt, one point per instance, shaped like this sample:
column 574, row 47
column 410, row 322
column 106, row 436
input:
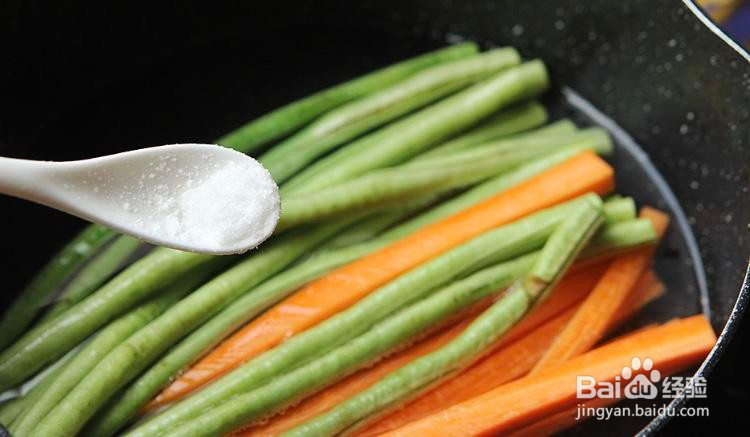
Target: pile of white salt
column 236, row 203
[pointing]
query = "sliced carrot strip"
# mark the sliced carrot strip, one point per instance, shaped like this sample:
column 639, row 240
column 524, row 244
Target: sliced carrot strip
column 591, row 321
column 651, row 289
column 568, row 418
column 341, row 288
column 648, row 288
column 559, row 421
column 672, row 346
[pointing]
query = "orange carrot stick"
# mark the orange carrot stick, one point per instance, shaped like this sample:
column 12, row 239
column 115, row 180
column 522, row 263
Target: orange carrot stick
column 590, row 323
column 504, row 365
column 648, row 288
column 571, row 416
column 568, row 418
column 672, row 346
column 341, row 288
column 560, row 421
column 569, row 292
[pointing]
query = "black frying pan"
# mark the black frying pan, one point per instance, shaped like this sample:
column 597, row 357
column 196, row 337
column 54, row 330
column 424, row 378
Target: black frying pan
column 85, row 80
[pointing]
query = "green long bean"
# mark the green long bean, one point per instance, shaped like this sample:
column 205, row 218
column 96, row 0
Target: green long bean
column 595, row 139
column 628, row 233
column 11, row 411
column 558, row 129
column 620, row 209
column 498, row 130
column 389, row 185
column 279, row 122
column 93, row 274
column 374, row 225
column 32, row 299
column 562, row 247
column 103, row 342
column 407, row 137
column 349, row 120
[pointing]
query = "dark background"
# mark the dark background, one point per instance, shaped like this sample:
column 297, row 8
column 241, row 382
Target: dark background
column 94, row 78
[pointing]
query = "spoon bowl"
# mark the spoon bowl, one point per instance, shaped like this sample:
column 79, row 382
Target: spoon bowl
column 193, row 197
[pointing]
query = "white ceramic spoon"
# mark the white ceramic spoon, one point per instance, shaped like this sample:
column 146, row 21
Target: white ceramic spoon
column 193, row 197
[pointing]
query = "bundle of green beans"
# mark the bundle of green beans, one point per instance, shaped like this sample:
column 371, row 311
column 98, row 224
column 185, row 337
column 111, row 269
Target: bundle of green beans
column 348, row 121
column 367, row 163
column 276, row 288
column 105, row 341
column 401, row 140
column 205, row 309
column 408, row 137
column 501, row 244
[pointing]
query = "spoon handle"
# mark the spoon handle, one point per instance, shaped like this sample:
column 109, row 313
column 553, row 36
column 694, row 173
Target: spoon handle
column 25, row 179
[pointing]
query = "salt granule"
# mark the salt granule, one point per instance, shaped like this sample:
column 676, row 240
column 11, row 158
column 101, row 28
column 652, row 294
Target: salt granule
column 239, row 202
column 231, row 205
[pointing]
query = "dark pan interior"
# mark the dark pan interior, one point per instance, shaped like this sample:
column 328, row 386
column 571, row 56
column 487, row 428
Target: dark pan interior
column 677, row 261
column 91, row 81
